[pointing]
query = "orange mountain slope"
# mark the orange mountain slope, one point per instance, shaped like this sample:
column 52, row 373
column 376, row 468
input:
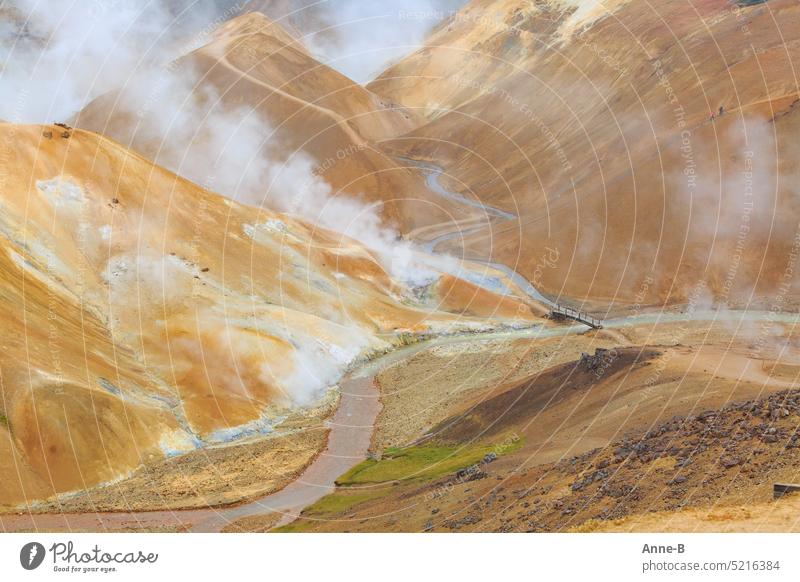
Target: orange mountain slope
column 595, row 127
column 144, row 316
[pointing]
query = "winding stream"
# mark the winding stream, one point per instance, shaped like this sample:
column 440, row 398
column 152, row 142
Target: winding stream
column 351, row 430
column 433, row 176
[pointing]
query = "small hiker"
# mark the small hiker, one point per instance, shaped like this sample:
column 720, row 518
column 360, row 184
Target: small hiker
column 721, row 110
column 713, row 117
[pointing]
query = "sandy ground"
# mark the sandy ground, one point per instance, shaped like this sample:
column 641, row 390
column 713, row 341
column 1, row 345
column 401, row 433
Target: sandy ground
column 772, row 517
column 255, row 524
column 209, row 477
column 421, row 391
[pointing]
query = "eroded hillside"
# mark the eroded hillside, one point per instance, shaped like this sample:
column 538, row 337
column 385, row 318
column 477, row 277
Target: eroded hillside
column 596, row 128
column 145, row 317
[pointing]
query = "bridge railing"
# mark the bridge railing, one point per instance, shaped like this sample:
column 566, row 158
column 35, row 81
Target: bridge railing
column 577, row 315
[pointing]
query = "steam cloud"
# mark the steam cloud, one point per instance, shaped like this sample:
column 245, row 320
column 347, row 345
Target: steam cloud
column 58, row 58
column 360, row 38
column 233, row 151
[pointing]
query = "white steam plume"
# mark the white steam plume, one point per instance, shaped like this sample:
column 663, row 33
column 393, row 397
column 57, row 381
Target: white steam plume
column 233, row 150
column 58, row 55
column 361, row 38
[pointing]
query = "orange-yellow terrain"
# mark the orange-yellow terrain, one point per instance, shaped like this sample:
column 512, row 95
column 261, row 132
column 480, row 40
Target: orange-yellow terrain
column 187, row 275
column 145, row 317
column 592, row 121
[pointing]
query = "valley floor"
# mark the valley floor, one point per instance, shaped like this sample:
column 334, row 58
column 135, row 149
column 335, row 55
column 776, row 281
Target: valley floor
column 678, row 427
column 675, row 426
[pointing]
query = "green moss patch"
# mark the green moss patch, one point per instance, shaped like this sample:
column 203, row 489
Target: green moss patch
column 340, row 502
column 422, row 462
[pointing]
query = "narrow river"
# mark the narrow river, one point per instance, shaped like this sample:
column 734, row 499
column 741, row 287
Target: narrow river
column 433, row 176
column 351, row 429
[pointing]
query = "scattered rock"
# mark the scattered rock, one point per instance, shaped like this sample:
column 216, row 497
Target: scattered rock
column 707, row 416
column 602, row 358
column 471, row 473
column 471, row 519
column 729, row 461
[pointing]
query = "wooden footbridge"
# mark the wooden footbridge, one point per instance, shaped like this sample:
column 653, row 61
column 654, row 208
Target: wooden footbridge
column 563, row 312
